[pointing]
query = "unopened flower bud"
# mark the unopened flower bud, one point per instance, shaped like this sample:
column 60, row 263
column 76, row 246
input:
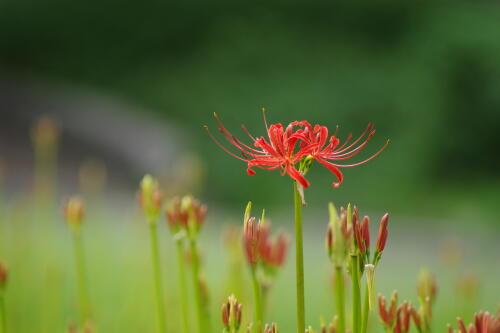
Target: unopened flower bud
column 231, row 314
column 461, row 325
column 251, row 236
column 150, row 198
column 273, row 328
column 415, row 317
column 74, row 212
column 45, row 132
column 3, row 275
column 426, row 285
column 382, row 233
column 365, row 231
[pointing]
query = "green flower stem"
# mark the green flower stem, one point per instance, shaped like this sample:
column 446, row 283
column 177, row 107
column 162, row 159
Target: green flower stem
column 182, row 285
column 195, row 269
column 257, row 301
column 356, row 294
column 81, row 275
column 155, row 257
column 340, row 297
column 366, row 311
column 299, row 261
column 3, row 315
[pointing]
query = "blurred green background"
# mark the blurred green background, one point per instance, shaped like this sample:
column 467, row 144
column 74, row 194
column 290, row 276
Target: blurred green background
column 426, row 73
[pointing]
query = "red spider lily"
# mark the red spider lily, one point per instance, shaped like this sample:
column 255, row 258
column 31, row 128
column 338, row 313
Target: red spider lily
column 328, row 151
column 278, row 151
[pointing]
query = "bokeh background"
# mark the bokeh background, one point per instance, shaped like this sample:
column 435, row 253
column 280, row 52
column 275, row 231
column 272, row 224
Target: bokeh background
column 130, row 85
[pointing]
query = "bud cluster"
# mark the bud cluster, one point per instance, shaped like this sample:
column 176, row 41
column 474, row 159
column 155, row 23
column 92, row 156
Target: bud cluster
column 231, row 315
column 150, row 198
column 259, row 246
column 185, row 213
column 74, row 212
column 348, row 233
column 484, row 322
column 273, row 328
column 397, row 318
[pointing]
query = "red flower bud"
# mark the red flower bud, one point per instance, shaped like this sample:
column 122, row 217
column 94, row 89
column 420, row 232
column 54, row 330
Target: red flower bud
column 382, row 233
column 365, row 231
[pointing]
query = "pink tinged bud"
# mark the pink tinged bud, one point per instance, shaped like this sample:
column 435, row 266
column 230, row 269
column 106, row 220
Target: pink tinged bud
column 471, row 329
column 461, row 325
column 450, row 329
column 416, row 318
column 251, row 241
column 406, row 318
column 357, row 233
column 365, row 231
column 329, row 239
column 382, row 233
column 398, row 328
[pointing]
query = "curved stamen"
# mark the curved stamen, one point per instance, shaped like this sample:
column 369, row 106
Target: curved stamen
column 368, row 159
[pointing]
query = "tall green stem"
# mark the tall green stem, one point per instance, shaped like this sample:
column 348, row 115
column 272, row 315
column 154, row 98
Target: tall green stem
column 340, row 297
column 366, row 311
column 257, row 301
column 182, row 285
column 299, row 261
column 3, row 315
column 81, row 275
column 155, row 257
column 195, row 263
column 356, row 294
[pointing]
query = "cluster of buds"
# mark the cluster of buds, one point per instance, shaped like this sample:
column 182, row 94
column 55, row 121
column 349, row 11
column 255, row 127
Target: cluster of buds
column 150, row 198
column 484, row 322
column 362, row 237
column 259, row 246
column 426, row 291
column 349, row 233
column 185, row 214
column 338, row 235
column 74, row 212
column 4, row 273
column 231, row 315
column 271, row 328
column 397, row 318
column 86, row 329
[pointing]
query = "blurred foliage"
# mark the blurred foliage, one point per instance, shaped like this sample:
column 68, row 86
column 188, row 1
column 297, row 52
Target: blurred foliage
column 426, row 73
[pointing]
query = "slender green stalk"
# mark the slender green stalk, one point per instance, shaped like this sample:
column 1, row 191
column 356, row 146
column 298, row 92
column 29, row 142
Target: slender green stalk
column 155, row 257
column 182, row 285
column 81, row 273
column 356, row 294
column 195, row 269
column 3, row 315
column 366, row 311
column 340, row 297
column 257, row 301
column 299, row 261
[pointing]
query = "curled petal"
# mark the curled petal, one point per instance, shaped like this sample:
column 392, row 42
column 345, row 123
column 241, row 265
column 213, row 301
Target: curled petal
column 333, row 169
